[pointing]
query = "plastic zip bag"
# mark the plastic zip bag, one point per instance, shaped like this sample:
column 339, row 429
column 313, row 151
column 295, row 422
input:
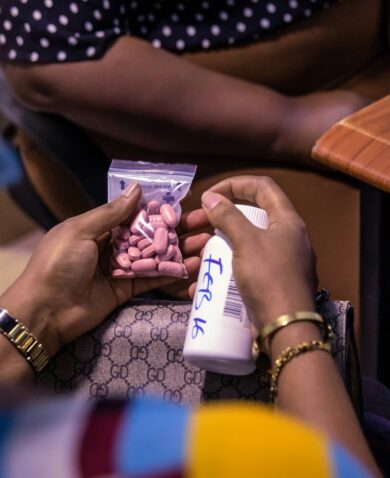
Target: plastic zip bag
column 146, row 244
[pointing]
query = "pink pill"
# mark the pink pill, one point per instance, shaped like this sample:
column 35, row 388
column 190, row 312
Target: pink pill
column 148, row 229
column 173, row 269
column 149, row 251
column 155, row 218
column 126, row 274
column 161, row 240
column 153, row 206
column 169, row 216
column 134, row 253
column 143, row 243
column 168, row 255
column 123, row 260
column 172, row 237
column 140, row 220
column 156, row 221
column 144, row 265
column 134, row 240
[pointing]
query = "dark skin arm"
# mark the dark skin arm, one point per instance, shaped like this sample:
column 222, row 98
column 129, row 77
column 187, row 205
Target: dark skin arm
column 158, row 101
column 275, row 273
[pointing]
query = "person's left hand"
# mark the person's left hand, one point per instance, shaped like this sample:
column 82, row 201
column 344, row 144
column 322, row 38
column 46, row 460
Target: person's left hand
column 66, row 290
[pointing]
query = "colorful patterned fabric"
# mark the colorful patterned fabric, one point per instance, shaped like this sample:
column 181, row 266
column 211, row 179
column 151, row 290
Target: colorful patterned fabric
column 149, row 438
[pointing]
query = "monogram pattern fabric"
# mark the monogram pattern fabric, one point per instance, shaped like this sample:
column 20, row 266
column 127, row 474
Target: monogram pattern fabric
column 138, row 351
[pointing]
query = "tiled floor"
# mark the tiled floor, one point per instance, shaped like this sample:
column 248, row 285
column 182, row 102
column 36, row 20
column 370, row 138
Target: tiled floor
column 15, row 255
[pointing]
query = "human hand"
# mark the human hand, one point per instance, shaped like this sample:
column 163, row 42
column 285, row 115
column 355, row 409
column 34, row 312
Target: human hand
column 66, row 290
column 275, row 268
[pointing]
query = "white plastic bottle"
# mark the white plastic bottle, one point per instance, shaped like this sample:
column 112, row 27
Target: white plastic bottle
column 219, row 331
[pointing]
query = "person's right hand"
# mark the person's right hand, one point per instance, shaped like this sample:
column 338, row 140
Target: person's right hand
column 275, row 269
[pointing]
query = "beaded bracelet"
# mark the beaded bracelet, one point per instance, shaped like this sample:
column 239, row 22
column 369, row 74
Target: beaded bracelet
column 287, row 355
column 23, row 340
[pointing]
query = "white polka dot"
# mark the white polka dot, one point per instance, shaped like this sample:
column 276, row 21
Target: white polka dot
column 77, row 35
column 88, row 26
column 223, row 16
column 143, row 30
column 241, row 27
column 44, row 42
column 191, row 31
column 265, row 23
column 180, row 7
column 2, row 39
column 34, row 56
column 122, row 9
column 133, row 5
column 12, row 54
column 74, row 8
column 156, row 43
column 19, row 40
column 180, row 44
column 205, row 5
column 248, row 12
column 48, row 3
column 151, row 17
column 63, row 19
column 61, row 56
column 117, row 31
column 14, row 11
column 255, row 1
column 307, row 12
column 72, row 41
column 199, row 17
column 215, row 30
column 116, row 21
column 37, row 15
column 175, row 17
column 293, row 3
column 230, row 2
column 90, row 51
column 166, row 31
column 106, row 4
column 27, row 27
column 231, row 40
column 51, row 28
column 100, row 34
column 98, row 14
column 287, row 17
column 7, row 25
column 271, row 8
column 205, row 43
column 23, row 1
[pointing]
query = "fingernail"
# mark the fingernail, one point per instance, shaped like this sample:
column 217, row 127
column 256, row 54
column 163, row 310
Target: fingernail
column 210, row 199
column 130, row 188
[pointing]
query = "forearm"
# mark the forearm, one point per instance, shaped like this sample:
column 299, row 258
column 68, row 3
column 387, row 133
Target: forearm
column 156, row 100
column 310, row 387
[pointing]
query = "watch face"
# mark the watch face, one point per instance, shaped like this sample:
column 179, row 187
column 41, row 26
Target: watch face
column 7, row 323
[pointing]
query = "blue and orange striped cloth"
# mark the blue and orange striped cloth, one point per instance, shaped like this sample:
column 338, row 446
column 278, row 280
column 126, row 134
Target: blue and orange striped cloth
column 71, row 438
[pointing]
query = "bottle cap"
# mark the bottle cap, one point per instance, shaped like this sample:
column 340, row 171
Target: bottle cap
column 257, row 216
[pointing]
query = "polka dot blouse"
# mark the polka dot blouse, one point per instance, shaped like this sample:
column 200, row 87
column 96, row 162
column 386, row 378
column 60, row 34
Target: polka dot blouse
column 49, row 31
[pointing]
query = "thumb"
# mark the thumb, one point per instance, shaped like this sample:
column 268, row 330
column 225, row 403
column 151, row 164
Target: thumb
column 224, row 215
column 98, row 221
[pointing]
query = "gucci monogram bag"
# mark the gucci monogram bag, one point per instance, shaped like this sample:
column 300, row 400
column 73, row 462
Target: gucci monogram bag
column 138, row 351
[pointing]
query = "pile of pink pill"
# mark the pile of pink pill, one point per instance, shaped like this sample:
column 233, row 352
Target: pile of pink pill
column 148, row 246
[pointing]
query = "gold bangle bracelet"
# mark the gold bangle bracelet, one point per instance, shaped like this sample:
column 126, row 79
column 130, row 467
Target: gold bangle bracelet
column 284, row 320
column 23, row 340
column 287, row 355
